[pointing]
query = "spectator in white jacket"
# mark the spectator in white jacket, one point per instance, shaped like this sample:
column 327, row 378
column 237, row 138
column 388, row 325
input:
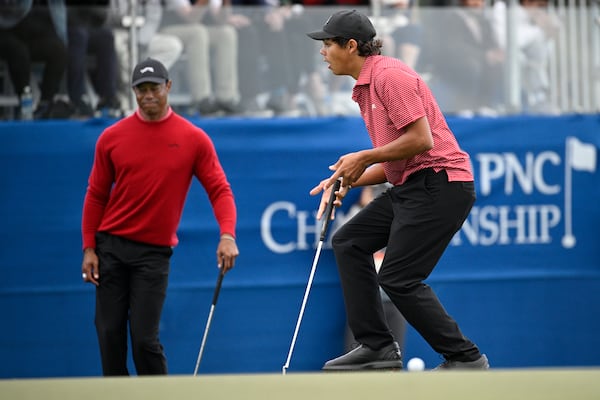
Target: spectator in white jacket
column 535, row 29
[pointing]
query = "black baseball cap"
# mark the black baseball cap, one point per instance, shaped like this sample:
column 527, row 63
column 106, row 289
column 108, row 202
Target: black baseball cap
column 347, row 24
column 149, row 70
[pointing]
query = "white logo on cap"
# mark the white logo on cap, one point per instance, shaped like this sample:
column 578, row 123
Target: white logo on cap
column 146, row 69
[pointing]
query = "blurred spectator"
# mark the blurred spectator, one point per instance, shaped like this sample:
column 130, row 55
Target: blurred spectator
column 272, row 35
column 535, row 30
column 465, row 60
column 14, row 51
column 92, row 50
column 330, row 93
column 35, row 32
column 249, row 56
column 333, row 3
column 399, row 30
column 211, row 48
column 161, row 46
column 290, row 97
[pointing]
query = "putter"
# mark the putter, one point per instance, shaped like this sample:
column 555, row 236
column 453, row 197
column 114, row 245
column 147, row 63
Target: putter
column 210, row 315
column 328, row 211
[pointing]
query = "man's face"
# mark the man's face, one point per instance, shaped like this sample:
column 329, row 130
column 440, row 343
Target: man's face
column 152, row 98
column 336, row 56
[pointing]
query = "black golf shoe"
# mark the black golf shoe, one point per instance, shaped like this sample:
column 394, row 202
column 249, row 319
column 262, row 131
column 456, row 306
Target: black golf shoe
column 480, row 363
column 363, row 358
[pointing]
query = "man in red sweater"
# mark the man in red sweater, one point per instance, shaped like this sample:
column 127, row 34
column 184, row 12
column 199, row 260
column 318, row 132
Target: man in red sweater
column 142, row 172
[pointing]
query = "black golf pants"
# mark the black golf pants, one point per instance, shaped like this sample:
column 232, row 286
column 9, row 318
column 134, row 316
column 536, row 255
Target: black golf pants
column 415, row 222
column 132, row 290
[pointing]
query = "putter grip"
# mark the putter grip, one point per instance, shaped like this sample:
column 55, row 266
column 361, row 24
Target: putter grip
column 218, row 287
column 329, row 209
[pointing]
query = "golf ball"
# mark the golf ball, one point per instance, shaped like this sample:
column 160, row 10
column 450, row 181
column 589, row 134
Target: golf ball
column 415, row 364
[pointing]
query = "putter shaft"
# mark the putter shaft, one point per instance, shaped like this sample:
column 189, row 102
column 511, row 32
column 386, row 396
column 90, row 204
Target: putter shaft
column 304, row 300
column 209, row 320
column 327, row 213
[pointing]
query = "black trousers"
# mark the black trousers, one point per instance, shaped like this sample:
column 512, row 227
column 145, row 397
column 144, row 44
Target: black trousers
column 415, row 223
column 395, row 322
column 132, row 290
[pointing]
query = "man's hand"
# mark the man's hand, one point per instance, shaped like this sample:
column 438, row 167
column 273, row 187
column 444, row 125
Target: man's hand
column 227, row 252
column 89, row 267
column 324, row 187
column 349, row 168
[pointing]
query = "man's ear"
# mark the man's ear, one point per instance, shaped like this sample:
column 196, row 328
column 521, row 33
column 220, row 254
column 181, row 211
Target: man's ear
column 352, row 45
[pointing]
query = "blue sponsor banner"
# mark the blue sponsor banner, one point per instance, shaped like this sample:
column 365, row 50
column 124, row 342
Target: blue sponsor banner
column 522, row 277
column 537, row 187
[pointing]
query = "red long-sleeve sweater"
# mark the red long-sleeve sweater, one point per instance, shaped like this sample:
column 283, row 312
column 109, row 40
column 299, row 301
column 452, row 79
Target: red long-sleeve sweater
column 141, row 175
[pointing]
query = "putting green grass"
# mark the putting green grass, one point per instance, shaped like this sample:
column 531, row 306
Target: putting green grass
column 501, row 384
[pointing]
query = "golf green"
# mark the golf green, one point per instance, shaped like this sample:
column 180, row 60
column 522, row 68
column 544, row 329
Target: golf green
column 500, row 384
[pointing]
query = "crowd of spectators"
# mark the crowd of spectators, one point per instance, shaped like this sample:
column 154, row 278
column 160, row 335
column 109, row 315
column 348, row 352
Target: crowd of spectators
column 252, row 58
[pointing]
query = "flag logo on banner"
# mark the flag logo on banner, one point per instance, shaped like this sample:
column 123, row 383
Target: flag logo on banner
column 580, row 156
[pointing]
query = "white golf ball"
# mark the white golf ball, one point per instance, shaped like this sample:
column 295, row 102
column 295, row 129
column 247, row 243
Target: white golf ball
column 415, row 364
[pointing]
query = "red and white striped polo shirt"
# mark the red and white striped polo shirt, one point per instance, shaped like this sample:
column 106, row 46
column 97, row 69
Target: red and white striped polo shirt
column 390, row 96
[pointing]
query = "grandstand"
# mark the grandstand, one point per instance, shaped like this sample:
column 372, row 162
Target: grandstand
column 565, row 60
